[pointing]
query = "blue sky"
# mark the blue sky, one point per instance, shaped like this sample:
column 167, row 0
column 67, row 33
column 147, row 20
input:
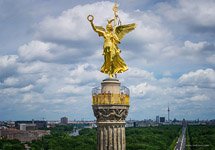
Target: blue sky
column 50, row 58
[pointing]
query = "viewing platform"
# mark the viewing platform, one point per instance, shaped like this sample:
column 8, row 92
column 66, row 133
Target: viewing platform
column 112, row 96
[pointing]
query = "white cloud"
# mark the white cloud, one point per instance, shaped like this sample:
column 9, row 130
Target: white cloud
column 31, row 98
column 11, row 81
column 201, row 78
column 142, row 89
column 198, row 13
column 36, row 50
column 166, row 81
column 194, row 47
column 43, row 80
column 211, row 59
column 196, row 51
column 84, row 73
column 7, row 61
column 134, row 72
column 33, row 67
column 8, row 66
column 150, row 33
column 71, row 90
column 27, row 88
column 199, row 98
column 9, row 92
column 72, row 24
column 50, row 52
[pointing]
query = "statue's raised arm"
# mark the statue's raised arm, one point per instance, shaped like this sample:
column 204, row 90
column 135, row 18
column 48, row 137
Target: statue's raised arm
column 99, row 29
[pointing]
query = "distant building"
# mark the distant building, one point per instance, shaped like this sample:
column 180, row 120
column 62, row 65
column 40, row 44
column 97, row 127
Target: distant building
column 64, row 120
column 27, row 127
column 38, row 124
column 129, row 124
column 22, row 136
column 145, row 123
column 162, row 119
column 157, row 119
column 211, row 122
column 22, row 127
column 9, row 124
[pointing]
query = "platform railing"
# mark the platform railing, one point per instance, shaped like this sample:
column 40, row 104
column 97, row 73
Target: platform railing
column 108, row 98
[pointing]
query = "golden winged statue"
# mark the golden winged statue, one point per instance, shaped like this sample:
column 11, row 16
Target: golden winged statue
column 113, row 34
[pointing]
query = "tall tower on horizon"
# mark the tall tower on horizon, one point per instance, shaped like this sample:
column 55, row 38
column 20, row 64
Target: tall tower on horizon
column 168, row 113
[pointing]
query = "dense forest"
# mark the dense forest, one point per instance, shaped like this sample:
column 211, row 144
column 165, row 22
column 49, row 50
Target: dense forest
column 200, row 138
column 152, row 138
column 59, row 140
column 149, row 138
column 11, row 145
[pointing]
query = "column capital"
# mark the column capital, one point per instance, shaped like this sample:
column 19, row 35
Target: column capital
column 111, row 113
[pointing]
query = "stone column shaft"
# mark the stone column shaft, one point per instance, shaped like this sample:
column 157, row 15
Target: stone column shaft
column 111, row 137
column 110, row 108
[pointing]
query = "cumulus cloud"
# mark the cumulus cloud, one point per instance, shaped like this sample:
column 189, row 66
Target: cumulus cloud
column 72, row 29
column 72, row 90
column 33, row 67
column 7, row 61
column 134, row 72
column 11, row 81
column 198, row 15
column 194, row 46
column 72, row 24
column 150, row 28
column 199, row 98
column 8, row 65
column 27, row 88
column 49, row 52
column 201, row 47
column 56, row 71
column 142, row 89
column 197, row 51
column 36, row 50
column 202, row 78
column 186, row 92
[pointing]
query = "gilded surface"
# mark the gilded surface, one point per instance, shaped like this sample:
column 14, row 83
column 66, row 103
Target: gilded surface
column 109, row 98
column 113, row 34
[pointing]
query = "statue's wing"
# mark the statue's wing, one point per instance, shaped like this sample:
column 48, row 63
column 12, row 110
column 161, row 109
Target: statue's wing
column 122, row 30
column 100, row 30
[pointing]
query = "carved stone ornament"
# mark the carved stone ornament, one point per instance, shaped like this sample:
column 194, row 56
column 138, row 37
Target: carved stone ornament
column 110, row 114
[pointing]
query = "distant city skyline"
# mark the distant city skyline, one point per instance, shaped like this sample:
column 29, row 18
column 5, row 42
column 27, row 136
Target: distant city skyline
column 50, row 58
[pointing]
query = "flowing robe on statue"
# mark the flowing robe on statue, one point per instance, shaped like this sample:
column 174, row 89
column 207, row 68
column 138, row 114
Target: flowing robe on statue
column 113, row 63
